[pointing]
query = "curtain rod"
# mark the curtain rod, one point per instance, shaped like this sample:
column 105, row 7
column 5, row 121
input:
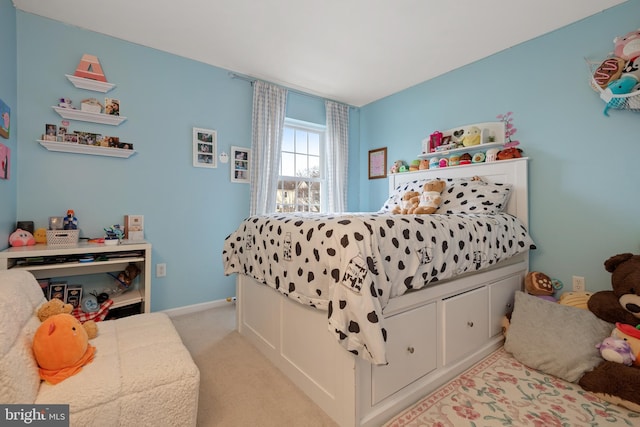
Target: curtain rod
column 252, row 80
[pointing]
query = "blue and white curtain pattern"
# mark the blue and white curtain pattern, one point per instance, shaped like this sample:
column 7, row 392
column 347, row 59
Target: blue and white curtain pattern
column 337, row 155
column 269, row 108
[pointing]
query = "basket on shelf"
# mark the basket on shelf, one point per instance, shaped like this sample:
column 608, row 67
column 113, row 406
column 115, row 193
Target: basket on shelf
column 627, row 101
column 63, row 237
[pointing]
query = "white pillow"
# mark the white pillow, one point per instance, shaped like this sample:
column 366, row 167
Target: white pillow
column 467, row 196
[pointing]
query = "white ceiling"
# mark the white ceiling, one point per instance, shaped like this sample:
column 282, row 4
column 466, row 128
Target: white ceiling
column 353, row 51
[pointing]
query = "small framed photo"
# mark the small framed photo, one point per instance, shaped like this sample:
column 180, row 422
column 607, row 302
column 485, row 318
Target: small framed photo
column 240, row 164
column 71, row 137
column 205, row 148
column 378, row 163
column 112, row 106
column 50, row 130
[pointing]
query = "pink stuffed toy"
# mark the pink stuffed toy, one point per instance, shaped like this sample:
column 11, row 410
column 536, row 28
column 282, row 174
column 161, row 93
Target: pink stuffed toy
column 21, row 237
column 627, row 46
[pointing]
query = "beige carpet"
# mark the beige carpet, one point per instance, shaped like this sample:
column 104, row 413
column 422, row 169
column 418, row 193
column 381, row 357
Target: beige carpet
column 239, row 386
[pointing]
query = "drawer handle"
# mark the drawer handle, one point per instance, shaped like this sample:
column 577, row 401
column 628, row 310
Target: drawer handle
column 509, row 306
column 470, row 324
column 411, row 350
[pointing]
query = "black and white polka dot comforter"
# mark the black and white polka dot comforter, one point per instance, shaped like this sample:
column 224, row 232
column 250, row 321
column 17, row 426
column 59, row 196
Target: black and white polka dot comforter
column 352, row 264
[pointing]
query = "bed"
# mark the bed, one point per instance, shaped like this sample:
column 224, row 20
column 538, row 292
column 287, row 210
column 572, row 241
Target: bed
column 384, row 320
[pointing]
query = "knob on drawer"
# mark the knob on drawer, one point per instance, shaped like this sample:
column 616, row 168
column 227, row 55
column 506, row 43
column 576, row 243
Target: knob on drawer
column 411, row 349
column 470, row 324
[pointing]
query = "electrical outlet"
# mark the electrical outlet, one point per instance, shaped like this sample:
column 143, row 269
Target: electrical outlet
column 161, row 270
column 578, row 284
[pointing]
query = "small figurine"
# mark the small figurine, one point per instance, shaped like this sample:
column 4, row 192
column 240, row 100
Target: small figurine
column 70, row 221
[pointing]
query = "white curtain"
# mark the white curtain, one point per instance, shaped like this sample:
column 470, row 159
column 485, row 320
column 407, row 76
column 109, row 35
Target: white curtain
column 337, row 153
column 269, row 108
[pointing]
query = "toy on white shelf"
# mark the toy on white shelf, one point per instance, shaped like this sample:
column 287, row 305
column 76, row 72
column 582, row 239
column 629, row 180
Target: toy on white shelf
column 70, row 222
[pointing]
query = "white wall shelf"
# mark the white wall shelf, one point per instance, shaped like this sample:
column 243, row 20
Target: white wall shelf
column 471, row 150
column 94, row 85
column 69, row 147
column 85, row 116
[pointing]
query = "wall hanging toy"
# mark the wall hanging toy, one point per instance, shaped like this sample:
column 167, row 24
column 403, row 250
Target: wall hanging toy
column 617, row 77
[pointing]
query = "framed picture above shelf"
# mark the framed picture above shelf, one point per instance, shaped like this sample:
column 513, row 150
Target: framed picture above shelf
column 68, row 147
column 86, row 116
column 89, row 84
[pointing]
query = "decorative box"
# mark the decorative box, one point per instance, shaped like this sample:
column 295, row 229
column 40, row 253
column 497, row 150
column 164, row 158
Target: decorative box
column 91, row 105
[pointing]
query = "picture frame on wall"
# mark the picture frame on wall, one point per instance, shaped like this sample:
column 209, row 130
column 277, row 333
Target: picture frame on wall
column 205, row 148
column 5, row 120
column 378, row 163
column 240, row 164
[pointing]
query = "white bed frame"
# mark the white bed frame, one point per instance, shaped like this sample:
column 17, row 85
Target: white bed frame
column 434, row 333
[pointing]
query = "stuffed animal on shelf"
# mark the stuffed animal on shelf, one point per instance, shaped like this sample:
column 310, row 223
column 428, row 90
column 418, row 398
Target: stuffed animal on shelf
column 471, row 137
column 61, row 348
column 431, row 197
column 509, row 153
column 40, row 235
column 56, row 306
column 424, row 164
column 414, row 166
column 21, row 237
column 612, row 381
column 398, row 166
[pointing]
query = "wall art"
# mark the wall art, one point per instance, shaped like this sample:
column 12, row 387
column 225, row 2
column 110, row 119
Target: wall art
column 205, row 148
column 240, row 166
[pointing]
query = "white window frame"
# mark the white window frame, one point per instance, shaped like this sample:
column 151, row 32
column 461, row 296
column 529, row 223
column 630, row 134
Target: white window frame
column 321, row 130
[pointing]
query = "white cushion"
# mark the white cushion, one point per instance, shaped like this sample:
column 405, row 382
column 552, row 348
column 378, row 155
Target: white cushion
column 20, row 296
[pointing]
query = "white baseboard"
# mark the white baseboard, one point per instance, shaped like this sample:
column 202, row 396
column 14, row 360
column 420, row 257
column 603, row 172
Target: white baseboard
column 188, row 309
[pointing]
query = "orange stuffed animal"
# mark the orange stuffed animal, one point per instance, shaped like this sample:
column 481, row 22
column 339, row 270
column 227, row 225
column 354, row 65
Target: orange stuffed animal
column 61, row 348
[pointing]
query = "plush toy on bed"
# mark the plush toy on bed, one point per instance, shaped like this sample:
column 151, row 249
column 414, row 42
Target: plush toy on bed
column 61, row 348
column 410, row 200
column 431, row 197
column 612, row 381
column 57, row 306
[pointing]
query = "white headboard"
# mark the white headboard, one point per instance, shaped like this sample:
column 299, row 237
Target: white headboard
column 504, row 171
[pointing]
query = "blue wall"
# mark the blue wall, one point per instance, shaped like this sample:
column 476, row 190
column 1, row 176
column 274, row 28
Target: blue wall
column 584, row 173
column 8, row 93
column 187, row 211
column 583, row 200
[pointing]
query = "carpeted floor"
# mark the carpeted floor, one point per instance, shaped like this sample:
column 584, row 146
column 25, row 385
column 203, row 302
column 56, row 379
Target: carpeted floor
column 239, row 386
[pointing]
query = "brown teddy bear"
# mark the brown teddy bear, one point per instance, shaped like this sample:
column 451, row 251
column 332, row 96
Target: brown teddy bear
column 56, row 306
column 410, row 200
column 615, row 382
column 431, row 197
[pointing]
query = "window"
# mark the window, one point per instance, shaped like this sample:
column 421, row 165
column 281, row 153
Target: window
column 301, row 177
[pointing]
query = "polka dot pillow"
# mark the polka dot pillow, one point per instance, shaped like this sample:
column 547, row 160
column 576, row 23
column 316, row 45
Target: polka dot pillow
column 467, row 196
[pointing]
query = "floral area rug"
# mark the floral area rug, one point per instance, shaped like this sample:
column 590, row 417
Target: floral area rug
column 500, row 391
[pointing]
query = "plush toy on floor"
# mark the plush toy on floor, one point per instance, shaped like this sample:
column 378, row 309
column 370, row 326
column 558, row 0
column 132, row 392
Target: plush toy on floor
column 61, row 348
column 612, row 381
column 616, row 350
column 57, row 306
